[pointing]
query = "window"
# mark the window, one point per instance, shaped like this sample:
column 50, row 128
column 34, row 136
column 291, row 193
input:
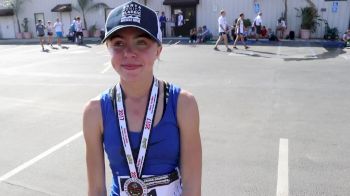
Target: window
column 39, row 16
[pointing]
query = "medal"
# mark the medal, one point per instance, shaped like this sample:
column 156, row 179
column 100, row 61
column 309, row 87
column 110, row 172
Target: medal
column 135, row 187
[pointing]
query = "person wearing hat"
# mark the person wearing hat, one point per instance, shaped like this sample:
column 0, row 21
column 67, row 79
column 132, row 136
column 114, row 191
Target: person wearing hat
column 148, row 128
column 179, row 23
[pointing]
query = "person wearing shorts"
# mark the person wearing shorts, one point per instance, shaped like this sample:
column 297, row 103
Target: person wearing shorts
column 240, row 31
column 223, row 30
column 59, row 31
column 40, row 31
column 49, row 29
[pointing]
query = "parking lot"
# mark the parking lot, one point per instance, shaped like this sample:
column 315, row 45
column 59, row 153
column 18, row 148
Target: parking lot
column 274, row 118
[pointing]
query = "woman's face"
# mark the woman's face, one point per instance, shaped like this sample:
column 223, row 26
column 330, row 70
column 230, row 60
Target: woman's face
column 133, row 53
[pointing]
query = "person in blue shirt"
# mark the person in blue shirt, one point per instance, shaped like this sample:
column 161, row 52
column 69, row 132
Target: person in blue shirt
column 162, row 21
column 148, row 128
column 40, row 31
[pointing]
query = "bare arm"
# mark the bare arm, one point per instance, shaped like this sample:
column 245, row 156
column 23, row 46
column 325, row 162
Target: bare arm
column 191, row 150
column 92, row 127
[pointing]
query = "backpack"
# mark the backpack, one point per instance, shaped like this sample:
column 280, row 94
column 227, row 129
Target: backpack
column 72, row 27
column 291, row 35
column 273, row 37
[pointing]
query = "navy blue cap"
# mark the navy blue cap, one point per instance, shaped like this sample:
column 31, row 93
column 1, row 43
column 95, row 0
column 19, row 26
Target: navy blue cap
column 133, row 14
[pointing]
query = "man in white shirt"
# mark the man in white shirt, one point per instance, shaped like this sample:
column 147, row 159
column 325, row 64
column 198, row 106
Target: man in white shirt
column 257, row 24
column 59, row 31
column 79, row 30
column 223, row 30
column 179, row 23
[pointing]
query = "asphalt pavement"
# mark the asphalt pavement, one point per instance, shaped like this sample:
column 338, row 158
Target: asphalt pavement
column 274, row 118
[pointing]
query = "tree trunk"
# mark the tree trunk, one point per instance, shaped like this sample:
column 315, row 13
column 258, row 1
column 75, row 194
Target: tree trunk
column 85, row 25
column 19, row 26
column 285, row 10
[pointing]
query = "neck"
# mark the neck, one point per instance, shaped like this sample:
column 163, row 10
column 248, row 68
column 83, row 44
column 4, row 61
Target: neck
column 136, row 89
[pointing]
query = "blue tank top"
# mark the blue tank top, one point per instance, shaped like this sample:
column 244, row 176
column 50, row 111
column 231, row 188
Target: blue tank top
column 163, row 152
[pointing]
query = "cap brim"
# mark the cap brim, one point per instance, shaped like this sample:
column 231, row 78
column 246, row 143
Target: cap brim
column 119, row 27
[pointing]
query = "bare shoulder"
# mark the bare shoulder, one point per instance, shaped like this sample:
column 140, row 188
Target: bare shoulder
column 186, row 99
column 187, row 110
column 92, row 105
column 92, row 117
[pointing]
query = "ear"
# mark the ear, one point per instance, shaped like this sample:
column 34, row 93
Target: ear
column 159, row 51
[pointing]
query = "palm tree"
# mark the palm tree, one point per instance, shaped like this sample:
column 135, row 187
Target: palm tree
column 85, row 6
column 285, row 10
column 16, row 6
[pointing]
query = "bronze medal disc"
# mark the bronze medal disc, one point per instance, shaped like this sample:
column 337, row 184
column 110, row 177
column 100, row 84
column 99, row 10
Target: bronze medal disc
column 135, row 187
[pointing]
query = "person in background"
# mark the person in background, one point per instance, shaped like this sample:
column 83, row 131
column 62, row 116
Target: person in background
column 223, row 27
column 40, row 31
column 206, row 35
column 257, row 24
column 199, row 34
column 193, row 36
column 79, row 31
column 149, row 128
column 162, row 21
column 59, row 31
column 49, row 28
column 264, row 33
column 240, row 31
column 72, row 32
column 346, row 38
column 180, row 23
column 281, row 28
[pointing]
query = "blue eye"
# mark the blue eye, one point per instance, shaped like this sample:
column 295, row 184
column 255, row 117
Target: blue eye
column 141, row 43
column 118, row 44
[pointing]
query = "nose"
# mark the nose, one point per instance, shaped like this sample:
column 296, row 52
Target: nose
column 129, row 51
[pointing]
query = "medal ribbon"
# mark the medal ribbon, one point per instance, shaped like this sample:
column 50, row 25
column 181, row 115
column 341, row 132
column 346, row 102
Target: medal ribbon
column 148, row 122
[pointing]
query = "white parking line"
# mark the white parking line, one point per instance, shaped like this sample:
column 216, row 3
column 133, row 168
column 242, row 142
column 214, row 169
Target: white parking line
column 39, row 157
column 108, row 64
column 282, row 176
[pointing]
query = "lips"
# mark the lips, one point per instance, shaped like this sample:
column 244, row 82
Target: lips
column 131, row 66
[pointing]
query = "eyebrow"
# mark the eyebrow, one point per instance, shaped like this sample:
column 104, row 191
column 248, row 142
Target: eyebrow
column 145, row 35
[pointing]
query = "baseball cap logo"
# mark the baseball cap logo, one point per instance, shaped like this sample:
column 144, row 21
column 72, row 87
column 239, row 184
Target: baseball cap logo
column 131, row 13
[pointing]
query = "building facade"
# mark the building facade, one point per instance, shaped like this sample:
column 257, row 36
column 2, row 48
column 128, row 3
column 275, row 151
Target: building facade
column 196, row 13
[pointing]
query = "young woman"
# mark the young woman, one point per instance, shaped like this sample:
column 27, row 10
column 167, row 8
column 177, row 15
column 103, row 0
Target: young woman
column 240, row 32
column 148, row 128
column 49, row 28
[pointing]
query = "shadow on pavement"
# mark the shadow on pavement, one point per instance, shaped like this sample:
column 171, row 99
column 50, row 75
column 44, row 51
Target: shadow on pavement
column 330, row 53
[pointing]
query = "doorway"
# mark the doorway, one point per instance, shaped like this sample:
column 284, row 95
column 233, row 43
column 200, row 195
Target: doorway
column 7, row 27
column 189, row 15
